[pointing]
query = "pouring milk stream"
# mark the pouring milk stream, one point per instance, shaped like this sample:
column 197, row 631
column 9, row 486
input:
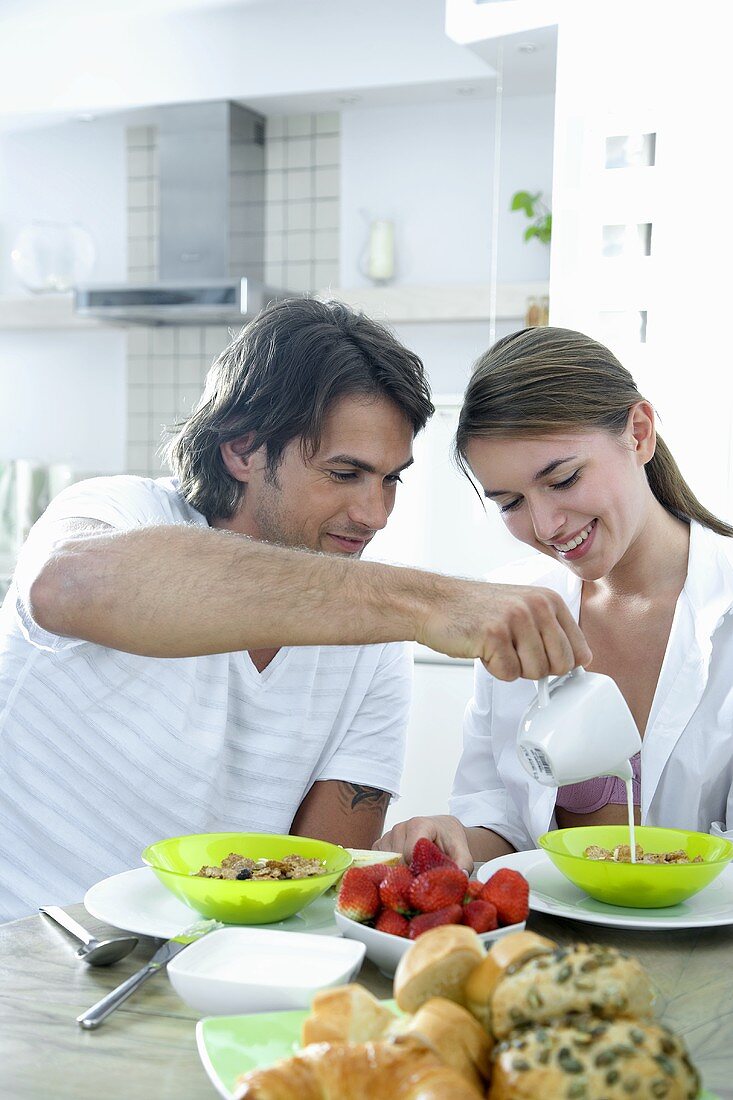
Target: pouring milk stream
column 577, row 728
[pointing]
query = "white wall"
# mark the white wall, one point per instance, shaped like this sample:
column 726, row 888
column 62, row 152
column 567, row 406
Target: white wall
column 71, row 172
column 430, row 169
column 63, row 393
column 63, row 400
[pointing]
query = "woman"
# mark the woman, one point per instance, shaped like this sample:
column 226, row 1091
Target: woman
column 560, row 439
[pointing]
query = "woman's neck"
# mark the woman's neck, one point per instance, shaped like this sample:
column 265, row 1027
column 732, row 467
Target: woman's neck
column 655, row 564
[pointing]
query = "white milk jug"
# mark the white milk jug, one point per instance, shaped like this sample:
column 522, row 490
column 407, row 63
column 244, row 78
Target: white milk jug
column 577, row 728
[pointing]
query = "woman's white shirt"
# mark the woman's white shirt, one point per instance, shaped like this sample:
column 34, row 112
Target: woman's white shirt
column 687, row 751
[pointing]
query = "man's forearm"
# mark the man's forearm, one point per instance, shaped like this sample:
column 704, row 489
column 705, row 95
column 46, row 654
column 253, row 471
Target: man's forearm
column 178, row 591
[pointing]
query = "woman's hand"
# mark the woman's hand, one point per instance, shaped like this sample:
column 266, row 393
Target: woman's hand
column 446, row 831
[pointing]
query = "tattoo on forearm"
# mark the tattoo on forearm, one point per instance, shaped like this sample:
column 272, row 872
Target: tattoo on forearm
column 354, row 796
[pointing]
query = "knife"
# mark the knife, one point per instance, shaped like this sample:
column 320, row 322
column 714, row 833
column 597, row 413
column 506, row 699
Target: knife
column 99, row 1012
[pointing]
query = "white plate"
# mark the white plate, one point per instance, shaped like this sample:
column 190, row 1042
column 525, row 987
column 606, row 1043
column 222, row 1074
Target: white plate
column 137, row 902
column 552, row 893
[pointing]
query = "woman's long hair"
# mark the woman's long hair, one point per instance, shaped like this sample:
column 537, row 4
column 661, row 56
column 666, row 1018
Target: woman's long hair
column 540, row 381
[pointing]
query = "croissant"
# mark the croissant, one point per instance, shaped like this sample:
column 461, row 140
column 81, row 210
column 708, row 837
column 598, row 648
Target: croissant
column 358, row 1071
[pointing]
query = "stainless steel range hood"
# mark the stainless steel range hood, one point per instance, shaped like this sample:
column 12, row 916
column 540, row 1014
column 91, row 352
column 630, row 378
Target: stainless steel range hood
column 210, row 245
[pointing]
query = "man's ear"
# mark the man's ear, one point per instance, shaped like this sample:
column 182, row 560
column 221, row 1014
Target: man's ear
column 239, row 459
column 641, row 431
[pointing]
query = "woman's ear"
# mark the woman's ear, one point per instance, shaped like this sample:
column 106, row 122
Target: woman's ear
column 641, row 432
column 239, row 459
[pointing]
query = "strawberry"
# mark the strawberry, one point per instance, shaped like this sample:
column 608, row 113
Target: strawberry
column 509, row 892
column 481, row 916
column 426, row 855
column 358, row 897
column 389, row 921
column 451, row 914
column 394, row 890
column 375, row 872
column 437, row 888
column 473, row 890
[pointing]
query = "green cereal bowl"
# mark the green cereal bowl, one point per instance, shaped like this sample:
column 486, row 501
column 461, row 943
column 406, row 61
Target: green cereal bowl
column 637, row 885
column 176, row 861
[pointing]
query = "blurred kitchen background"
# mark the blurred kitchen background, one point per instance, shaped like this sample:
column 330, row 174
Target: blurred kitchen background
column 154, row 152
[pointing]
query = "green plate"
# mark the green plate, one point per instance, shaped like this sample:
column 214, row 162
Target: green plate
column 637, row 885
column 175, row 861
column 232, row 1045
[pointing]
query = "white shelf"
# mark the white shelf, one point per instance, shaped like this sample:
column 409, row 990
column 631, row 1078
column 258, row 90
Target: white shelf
column 47, row 311
column 395, row 304
column 453, row 302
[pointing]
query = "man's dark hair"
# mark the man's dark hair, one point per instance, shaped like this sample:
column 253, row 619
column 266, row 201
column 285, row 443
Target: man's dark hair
column 277, row 381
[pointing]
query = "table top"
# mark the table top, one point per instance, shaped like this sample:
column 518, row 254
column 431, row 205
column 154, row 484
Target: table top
column 147, row 1048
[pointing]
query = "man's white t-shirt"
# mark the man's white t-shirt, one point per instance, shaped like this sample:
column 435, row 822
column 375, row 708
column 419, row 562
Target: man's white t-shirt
column 104, row 752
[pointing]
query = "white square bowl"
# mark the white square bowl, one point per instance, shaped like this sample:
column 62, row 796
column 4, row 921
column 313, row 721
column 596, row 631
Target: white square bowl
column 238, row 970
column 385, row 949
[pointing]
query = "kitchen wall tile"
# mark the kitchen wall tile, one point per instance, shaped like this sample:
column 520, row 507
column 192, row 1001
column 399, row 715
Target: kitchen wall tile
column 190, row 340
column 299, row 277
column 326, row 183
column 137, row 370
column 140, row 164
column 298, row 247
column 140, row 137
column 138, row 400
column 186, row 400
column 216, row 338
column 274, row 248
column 138, row 340
column 325, row 276
column 163, row 371
column 275, row 274
column 327, row 150
column 192, row 370
column 275, row 187
column 137, row 458
column 298, row 125
column 139, row 252
column 140, row 194
column 299, row 153
column 326, row 245
column 140, row 224
column 326, row 213
column 300, row 216
column 164, row 340
column 275, row 155
column 138, row 427
column 327, row 123
column 275, row 217
column 299, row 184
column 274, row 127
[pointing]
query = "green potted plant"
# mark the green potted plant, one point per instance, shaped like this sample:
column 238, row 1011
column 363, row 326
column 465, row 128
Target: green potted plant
column 537, row 211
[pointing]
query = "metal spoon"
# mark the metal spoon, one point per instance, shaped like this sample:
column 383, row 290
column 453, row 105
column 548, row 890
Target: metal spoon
column 93, row 951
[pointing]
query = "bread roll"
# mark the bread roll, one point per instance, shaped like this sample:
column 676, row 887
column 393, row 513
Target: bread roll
column 358, row 1071
column 452, row 1033
column 346, row 1014
column 437, row 965
column 590, row 1058
column 506, row 955
column 583, row 978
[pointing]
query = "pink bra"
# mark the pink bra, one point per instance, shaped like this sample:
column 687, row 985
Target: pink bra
column 592, row 794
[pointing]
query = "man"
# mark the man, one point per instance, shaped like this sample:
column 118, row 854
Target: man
column 172, row 661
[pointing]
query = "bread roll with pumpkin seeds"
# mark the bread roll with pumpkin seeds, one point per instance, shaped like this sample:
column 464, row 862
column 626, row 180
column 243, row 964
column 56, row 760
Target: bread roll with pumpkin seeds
column 582, row 978
column 585, row 1058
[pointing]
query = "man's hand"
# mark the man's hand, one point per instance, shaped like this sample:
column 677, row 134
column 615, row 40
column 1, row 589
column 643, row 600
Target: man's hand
column 447, row 832
column 515, row 631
